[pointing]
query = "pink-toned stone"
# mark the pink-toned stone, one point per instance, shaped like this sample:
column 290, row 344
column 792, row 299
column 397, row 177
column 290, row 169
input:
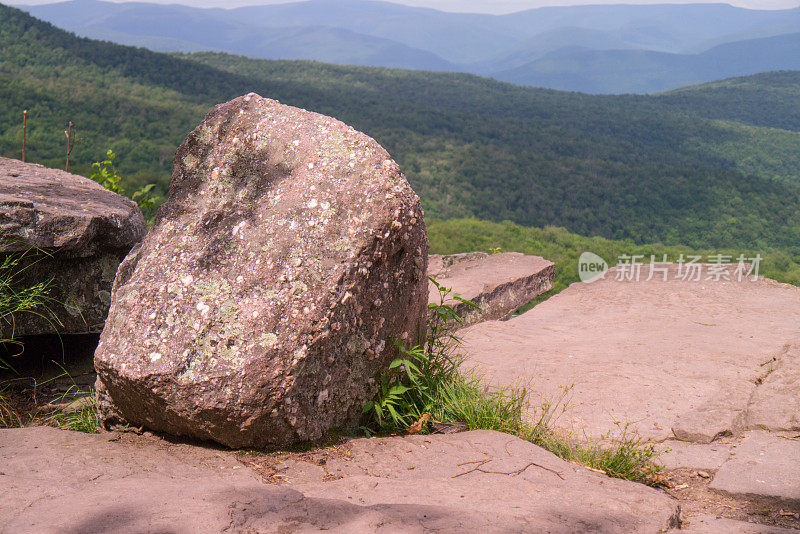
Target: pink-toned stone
column 290, row 255
column 499, row 283
column 763, row 465
column 58, row 481
column 672, row 358
column 79, row 233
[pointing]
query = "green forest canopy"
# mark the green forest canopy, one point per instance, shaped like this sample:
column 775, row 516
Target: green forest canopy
column 687, row 167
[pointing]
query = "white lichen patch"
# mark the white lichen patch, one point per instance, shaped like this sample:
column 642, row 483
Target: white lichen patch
column 238, row 227
column 189, row 161
column 267, row 340
column 203, row 308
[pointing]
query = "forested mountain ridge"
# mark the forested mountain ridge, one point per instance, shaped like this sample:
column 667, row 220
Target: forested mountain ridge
column 769, row 99
column 640, row 168
column 619, row 48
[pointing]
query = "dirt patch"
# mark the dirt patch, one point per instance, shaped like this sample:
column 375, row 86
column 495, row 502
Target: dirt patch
column 691, row 488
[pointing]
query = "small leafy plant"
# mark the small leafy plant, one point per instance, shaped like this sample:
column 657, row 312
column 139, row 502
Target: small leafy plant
column 426, row 385
column 413, row 382
column 105, row 173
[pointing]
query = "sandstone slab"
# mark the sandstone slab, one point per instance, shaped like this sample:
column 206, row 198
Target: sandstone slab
column 776, row 402
column 58, row 481
column 289, row 257
column 763, row 465
column 80, row 232
column 501, row 484
column 499, row 283
column 671, row 358
column 687, row 455
column 710, row 524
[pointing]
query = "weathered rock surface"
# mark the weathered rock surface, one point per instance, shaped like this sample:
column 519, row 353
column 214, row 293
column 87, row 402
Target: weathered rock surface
column 83, row 230
column 290, row 253
column 776, row 403
column 499, row 283
column 59, row 481
column 763, row 465
column 672, row 358
column 710, row 525
column 701, row 367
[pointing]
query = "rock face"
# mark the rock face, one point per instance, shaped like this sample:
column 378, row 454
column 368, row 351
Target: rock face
column 82, row 232
column 59, row 481
column 677, row 359
column 499, row 283
column 289, row 256
column 710, row 369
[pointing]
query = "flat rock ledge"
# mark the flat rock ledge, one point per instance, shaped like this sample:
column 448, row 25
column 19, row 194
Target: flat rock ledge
column 66, row 482
column 81, row 231
column 499, row 283
column 709, row 369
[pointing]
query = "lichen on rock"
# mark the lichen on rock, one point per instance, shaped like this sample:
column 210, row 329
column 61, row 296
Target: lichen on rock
column 290, row 253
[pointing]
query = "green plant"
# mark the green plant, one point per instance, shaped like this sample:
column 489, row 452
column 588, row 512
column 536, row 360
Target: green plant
column 412, row 384
column 105, row 173
column 18, row 297
column 427, row 384
column 79, row 414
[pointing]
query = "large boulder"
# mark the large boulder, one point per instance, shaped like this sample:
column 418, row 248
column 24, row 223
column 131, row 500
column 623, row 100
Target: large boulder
column 69, row 229
column 289, row 257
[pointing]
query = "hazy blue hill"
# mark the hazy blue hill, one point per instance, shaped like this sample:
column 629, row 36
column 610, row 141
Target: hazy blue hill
column 633, row 167
column 514, row 46
column 550, row 41
column 178, row 28
column 666, row 27
column 640, row 71
column 456, row 37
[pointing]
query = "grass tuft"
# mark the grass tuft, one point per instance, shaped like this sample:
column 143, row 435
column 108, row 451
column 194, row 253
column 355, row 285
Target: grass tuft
column 429, row 384
column 9, row 418
column 79, row 414
column 17, row 297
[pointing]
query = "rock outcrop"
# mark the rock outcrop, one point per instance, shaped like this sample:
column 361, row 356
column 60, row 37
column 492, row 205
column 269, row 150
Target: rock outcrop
column 71, row 230
column 60, row 481
column 707, row 368
column 289, row 257
column 499, row 283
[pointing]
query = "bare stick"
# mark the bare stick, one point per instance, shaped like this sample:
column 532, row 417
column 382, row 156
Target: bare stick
column 481, row 463
column 69, row 143
column 24, row 132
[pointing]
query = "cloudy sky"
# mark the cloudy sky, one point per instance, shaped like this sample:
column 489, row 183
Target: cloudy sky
column 474, row 6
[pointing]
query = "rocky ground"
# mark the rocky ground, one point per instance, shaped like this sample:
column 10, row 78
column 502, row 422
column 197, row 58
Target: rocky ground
column 60, row 481
column 709, row 370
column 736, row 470
column 241, row 318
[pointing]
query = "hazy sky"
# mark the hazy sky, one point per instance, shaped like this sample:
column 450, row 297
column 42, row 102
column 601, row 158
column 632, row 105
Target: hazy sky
column 474, row 6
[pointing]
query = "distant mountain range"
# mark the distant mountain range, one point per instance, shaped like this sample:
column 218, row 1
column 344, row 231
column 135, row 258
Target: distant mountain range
column 595, row 49
column 709, row 166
